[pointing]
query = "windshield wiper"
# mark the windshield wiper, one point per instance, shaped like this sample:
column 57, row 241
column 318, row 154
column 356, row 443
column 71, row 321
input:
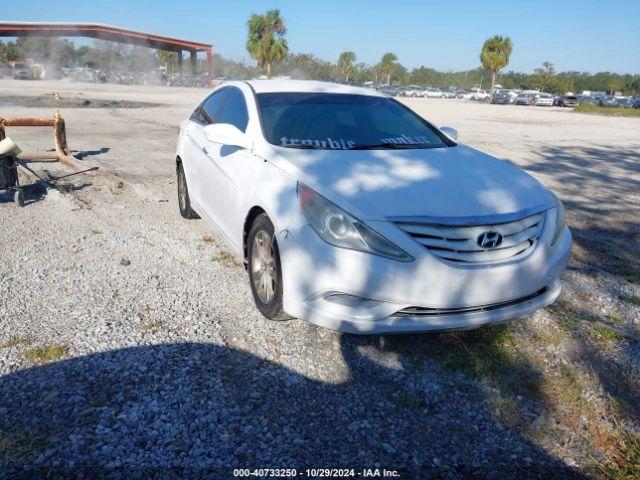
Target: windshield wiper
column 303, row 147
column 390, row 145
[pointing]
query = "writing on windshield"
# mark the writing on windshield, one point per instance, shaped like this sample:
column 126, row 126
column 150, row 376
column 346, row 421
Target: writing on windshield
column 339, row 121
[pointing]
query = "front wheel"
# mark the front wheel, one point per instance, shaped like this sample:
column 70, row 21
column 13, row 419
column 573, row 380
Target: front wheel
column 265, row 273
column 183, row 195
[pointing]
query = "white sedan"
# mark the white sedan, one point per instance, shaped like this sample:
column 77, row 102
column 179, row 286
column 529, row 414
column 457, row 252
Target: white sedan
column 544, row 100
column 433, row 93
column 354, row 213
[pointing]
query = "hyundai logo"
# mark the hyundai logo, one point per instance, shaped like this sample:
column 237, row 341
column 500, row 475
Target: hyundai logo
column 489, row 239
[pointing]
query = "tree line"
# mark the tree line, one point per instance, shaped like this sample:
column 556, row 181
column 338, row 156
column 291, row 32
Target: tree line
column 266, row 43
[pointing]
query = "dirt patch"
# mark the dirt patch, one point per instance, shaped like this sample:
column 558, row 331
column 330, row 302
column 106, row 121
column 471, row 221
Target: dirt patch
column 55, row 100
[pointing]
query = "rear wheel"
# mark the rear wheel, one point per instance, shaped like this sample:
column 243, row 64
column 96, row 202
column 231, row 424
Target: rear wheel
column 183, row 195
column 265, row 274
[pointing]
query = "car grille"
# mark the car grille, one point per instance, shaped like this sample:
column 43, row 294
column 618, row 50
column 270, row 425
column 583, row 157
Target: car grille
column 436, row 312
column 459, row 244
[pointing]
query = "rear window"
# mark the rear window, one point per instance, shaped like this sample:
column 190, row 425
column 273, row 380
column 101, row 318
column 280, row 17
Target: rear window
column 328, row 121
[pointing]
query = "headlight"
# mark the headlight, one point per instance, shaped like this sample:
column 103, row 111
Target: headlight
column 338, row 228
column 560, row 220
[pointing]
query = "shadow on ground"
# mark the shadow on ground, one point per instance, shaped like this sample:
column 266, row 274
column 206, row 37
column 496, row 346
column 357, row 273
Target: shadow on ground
column 198, row 411
column 600, row 187
column 91, row 153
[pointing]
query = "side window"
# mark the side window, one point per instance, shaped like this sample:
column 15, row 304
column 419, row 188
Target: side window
column 197, row 116
column 235, row 110
column 211, row 107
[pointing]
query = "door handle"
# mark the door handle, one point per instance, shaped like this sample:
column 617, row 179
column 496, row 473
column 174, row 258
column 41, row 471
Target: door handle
column 205, row 151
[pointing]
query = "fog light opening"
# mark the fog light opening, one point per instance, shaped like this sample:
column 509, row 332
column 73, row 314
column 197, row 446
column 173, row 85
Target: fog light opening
column 353, row 301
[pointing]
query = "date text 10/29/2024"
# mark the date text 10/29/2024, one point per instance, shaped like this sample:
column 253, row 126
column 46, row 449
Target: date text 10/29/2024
column 316, row 473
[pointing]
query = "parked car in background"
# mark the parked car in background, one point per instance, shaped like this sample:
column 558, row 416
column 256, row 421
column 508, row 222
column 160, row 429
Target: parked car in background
column 501, row 97
column 544, row 100
column 412, row 91
column 449, row 93
column 5, row 70
column 390, row 90
column 524, row 98
column 464, row 240
column 22, row 71
column 431, row 92
column 608, row 101
column 594, row 94
column 460, row 93
column 636, row 102
column 569, row 99
column 477, row 94
column 480, row 95
column 624, row 102
column 588, row 99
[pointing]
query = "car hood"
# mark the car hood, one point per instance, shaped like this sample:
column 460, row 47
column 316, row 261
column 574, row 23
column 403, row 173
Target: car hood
column 455, row 182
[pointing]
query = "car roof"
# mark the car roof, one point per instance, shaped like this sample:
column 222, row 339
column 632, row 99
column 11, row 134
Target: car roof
column 273, row 86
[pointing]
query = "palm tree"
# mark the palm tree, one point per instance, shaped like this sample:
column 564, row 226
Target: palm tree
column 495, row 55
column 387, row 65
column 346, row 65
column 265, row 41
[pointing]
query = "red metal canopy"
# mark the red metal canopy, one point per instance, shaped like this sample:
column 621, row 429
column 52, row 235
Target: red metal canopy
column 107, row 32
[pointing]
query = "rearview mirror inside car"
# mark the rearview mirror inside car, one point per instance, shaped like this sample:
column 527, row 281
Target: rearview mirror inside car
column 226, row 134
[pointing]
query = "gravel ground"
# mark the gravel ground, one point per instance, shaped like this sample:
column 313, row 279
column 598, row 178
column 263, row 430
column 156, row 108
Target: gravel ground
column 129, row 344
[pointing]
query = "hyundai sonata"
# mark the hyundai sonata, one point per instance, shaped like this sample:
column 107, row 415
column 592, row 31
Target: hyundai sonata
column 354, row 213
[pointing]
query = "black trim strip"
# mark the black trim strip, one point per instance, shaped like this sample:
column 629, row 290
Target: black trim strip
column 436, row 312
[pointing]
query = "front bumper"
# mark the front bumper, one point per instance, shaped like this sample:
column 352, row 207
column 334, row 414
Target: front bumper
column 395, row 323
column 314, row 273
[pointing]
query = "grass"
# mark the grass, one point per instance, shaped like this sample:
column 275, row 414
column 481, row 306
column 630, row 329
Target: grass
column 567, row 319
column 207, row 239
column 407, row 400
column 600, row 333
column 47, row 354
column 64, row 188
column 614, row 319
column 154, row 325
column 610, row 112
column 632, row 299
column 225, row 258
column 491, row 353
column 629, row 273
column 570, row 386
column 14, row 342
column 625, row 462
column 15, row 448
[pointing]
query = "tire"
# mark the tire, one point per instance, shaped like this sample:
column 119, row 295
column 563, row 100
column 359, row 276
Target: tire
column 18, row 197
column 264, row 257
column 184, row 203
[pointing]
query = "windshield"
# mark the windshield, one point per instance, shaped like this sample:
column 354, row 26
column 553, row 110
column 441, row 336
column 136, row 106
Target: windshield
column 332, row 121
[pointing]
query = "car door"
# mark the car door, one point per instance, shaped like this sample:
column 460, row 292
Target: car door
column 223, row 192
column 197, row 145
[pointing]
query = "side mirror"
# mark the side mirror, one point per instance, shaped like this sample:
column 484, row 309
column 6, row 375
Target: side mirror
column 226, row 134
column 450, row 132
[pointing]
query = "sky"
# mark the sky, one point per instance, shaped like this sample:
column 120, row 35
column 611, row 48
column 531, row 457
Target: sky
column 446, row 35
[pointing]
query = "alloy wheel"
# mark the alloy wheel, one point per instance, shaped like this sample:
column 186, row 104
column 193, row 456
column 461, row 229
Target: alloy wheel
column 263, row 267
